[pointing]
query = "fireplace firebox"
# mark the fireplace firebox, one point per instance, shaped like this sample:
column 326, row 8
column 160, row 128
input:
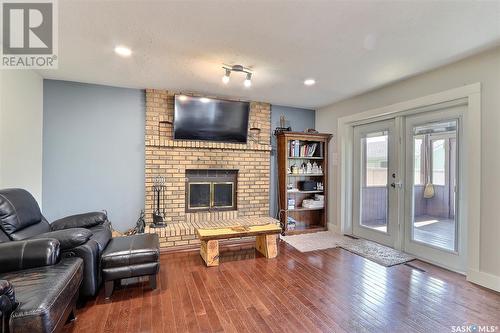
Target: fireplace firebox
column 211, row 190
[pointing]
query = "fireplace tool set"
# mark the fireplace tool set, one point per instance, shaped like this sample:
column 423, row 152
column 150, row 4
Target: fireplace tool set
column 159, row 202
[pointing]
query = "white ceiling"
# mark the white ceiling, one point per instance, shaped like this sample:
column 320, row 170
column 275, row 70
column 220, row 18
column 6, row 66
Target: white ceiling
column 348, row 46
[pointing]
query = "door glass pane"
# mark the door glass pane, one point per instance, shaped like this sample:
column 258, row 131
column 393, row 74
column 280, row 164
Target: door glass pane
column 418, row 161
column 434, row 206
column 374, row 172
column 438, row 162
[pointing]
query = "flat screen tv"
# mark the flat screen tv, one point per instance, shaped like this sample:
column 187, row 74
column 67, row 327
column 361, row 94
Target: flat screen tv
column 208, row 119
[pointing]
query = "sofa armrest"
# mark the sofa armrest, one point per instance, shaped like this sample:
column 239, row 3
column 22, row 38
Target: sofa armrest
column 85, row 220
column 19, row 255
column 7, row 298
column 89, row 252
column 68, row 238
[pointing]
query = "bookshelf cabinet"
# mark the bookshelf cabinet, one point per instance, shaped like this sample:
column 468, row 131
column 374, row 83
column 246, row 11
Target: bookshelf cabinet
column 303, row 181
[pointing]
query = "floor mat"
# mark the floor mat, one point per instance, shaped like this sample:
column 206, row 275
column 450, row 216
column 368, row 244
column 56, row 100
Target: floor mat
column 378, row 253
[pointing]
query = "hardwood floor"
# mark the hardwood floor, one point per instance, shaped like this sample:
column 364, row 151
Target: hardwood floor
column 323, row 291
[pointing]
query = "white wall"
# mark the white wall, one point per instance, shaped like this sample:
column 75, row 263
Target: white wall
column 21, row 122
column 484, row 68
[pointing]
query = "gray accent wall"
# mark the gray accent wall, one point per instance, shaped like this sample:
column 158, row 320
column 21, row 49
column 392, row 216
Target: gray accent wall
column 93, row 151
column 299, row 120
column 21, row 117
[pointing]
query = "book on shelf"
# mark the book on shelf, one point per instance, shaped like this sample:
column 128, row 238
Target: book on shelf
column 294, row 148
column 304, row 150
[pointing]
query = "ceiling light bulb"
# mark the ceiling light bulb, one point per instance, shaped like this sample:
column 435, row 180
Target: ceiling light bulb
column 123, row 51
column 310, row 82
column 225, row 78
column 204, row 100
column 183, row 98
column 248, row 80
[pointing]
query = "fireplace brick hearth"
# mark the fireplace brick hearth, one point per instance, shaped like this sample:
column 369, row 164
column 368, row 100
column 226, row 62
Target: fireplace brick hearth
column 171, row 158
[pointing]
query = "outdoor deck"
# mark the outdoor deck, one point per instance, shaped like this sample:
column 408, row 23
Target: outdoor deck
column 430, row 230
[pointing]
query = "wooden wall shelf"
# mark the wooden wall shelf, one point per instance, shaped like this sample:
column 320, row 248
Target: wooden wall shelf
column 295, row 218
column 306, row 158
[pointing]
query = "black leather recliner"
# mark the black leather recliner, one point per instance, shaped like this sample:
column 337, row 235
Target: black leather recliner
column 83, row 235
column 38, row 288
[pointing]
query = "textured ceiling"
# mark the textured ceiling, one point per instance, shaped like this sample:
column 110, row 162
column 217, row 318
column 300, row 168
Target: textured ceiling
column 348, row 46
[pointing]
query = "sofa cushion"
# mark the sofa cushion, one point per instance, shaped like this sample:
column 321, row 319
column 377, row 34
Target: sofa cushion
column 85, row 220
column 18, row 210
column 30, row 231
column 43, row 295
column 69, row 238
column 131, row 250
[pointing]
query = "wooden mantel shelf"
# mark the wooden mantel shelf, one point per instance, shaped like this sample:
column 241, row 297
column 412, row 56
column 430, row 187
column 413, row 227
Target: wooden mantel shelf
column 167, row 143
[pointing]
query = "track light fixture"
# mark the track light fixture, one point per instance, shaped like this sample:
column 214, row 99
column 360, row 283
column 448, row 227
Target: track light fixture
column 237, row 68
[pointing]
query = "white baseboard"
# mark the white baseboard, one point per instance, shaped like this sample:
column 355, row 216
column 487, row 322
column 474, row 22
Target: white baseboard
column 484, row 279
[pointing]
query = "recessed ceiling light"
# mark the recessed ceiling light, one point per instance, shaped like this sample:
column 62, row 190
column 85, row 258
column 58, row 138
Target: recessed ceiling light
column 123, row 51
column 204, row 100
column 183, row 98
column 310, row 82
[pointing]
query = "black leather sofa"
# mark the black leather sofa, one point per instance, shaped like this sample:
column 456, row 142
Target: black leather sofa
column 84, row 235
column 38, row 287
column 42, row 265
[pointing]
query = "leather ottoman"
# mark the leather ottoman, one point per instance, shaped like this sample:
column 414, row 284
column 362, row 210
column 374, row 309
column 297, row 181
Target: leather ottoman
column 130, row 256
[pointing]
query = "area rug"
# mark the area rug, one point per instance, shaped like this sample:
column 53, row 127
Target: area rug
column 375, row 252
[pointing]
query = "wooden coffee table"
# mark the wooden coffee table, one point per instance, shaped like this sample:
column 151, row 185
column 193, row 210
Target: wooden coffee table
column 265, row 241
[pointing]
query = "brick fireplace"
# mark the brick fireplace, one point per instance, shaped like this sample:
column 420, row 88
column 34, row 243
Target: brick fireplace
column 180, row 161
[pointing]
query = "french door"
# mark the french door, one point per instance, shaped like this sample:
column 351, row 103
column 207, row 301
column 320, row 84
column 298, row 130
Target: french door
column 375, row 183
column 434, row 228
column 406, row 185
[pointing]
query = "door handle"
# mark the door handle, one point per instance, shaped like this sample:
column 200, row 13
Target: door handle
column 396, row 185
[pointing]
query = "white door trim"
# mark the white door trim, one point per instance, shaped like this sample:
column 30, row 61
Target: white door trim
column 472, row 125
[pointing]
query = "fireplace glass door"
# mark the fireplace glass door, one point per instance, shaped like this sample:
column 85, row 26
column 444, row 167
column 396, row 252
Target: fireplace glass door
column 222, row 194
column 210, row 190
column 199, row 195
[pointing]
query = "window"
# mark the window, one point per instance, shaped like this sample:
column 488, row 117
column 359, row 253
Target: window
column 438, row 162
column 431, row 160
column 376, row 159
